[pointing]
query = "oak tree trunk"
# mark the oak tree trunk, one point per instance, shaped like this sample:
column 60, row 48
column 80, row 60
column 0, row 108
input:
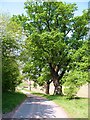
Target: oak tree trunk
column 47, row 87
column 57, row 87
column 56, row 78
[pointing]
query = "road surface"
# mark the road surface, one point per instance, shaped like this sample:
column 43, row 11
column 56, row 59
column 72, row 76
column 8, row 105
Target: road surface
column 38, row 107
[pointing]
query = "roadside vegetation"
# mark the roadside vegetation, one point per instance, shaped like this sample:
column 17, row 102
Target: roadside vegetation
column 11, row 100
column 75, row 108
column 47, row 45
column 10, row 35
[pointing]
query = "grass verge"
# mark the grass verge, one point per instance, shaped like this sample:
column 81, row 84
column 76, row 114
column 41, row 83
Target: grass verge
column 11, row 100
column 75, row 108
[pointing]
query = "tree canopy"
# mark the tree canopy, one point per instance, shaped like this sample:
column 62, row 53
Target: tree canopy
column 55, row 38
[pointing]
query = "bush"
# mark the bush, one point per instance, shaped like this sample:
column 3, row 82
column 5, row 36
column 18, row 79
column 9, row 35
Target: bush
column 10, row 73
column 71, row 91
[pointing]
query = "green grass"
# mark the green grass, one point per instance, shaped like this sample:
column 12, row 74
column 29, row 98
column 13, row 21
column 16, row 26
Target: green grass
column 11, row 100
column 75, row 108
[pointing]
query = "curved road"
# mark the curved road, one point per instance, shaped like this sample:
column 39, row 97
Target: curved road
column 38, row 107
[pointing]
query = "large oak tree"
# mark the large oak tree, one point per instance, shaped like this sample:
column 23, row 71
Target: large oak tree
column 53, row 33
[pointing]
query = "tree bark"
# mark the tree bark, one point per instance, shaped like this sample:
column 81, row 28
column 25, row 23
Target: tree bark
column 47, row 87
column 57, row 87
column 56, row 79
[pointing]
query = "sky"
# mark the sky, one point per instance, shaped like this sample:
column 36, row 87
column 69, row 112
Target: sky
column 17, row 6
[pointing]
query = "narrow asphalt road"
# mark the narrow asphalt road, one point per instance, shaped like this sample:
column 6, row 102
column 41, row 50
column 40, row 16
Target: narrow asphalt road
column 38, row 107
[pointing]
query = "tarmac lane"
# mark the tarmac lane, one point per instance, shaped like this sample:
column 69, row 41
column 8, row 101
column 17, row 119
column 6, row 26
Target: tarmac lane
column 38, row 107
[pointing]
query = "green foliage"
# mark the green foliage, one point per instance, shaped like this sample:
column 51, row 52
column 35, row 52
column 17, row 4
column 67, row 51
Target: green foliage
column 74, row 80
column 46, row 16
column 10, row 33
column 45, row 47
column 55, row 39
column 10, row 72
column 80, row 23
column 78, row 75
column 44, row 77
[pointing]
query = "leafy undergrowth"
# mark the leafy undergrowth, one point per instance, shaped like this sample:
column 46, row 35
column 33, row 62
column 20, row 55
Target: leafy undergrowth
column 11, row 100
column 75, row 108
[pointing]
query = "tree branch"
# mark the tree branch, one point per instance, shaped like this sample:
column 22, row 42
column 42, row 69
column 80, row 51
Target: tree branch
column 63, row 72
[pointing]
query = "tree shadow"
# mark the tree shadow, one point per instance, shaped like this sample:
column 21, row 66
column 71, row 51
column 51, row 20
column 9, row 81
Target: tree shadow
column 36, row 107
column 45, row 96
column 75, row 98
